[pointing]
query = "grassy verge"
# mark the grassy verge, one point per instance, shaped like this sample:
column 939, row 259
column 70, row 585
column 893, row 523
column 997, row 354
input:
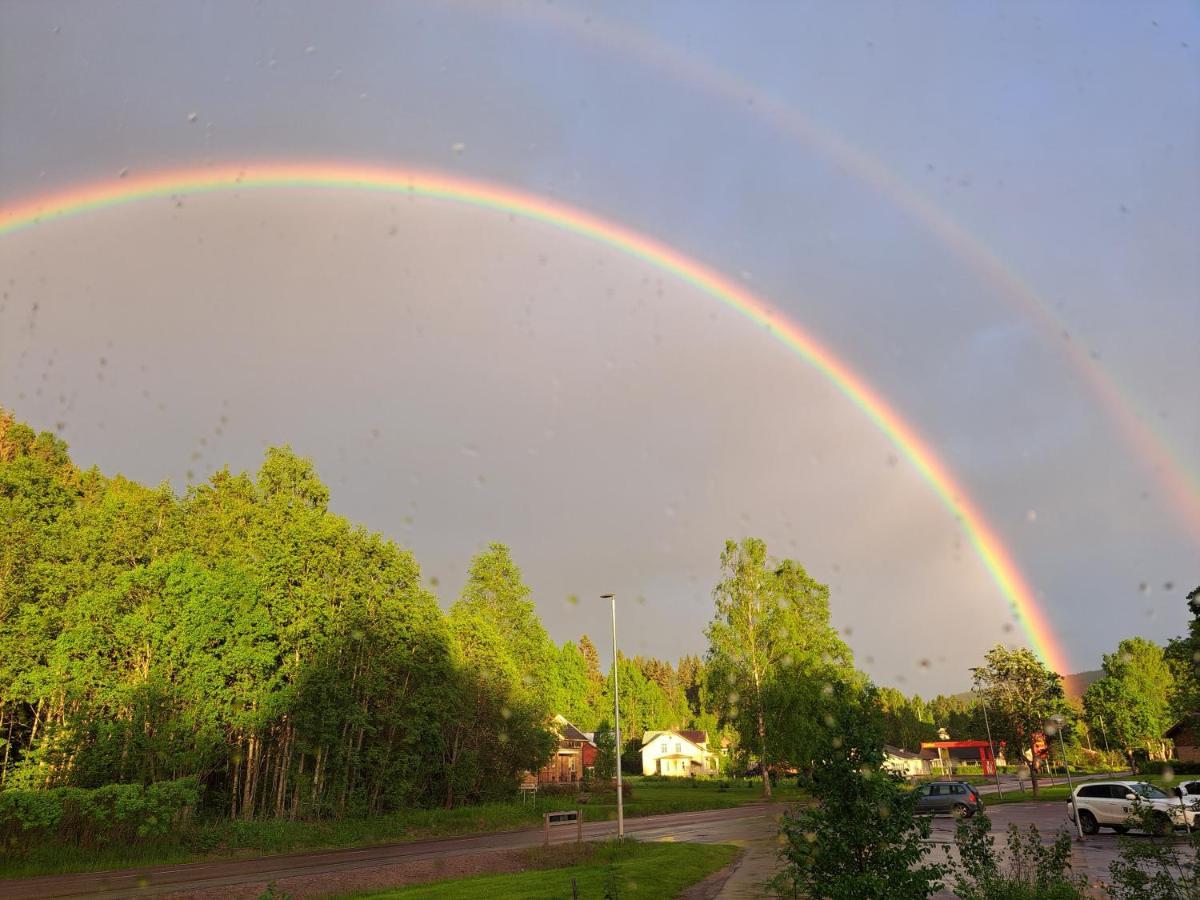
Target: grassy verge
column 225, row 839
column 641, row 870
column 1061, row 792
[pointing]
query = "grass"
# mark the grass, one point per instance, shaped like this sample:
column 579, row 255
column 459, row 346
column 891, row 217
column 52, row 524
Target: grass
column 1060, row 791
column 655, row 870
column 223, row 839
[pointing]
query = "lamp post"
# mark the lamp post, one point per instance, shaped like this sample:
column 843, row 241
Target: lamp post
column 612, row 598
column 992, row 750
column 1107, row 753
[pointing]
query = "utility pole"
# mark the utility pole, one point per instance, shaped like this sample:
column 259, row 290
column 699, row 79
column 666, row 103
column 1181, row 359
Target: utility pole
column 617, row 716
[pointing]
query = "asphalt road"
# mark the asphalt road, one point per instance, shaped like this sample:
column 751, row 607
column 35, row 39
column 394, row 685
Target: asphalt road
column 752, row 827
column 707, row 826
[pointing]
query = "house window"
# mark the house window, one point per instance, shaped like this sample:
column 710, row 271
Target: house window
column 678, row 747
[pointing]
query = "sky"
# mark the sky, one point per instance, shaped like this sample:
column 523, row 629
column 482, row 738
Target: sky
column 989, row 212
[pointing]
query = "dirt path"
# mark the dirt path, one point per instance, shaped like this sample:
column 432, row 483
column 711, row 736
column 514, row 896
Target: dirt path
column 323, row 872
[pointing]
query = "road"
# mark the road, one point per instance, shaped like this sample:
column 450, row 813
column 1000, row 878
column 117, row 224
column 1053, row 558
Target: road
column 247, row 876
column 309, row 874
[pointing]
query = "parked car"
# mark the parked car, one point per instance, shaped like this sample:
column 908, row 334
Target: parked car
column 1109, row 804
column 955, row 797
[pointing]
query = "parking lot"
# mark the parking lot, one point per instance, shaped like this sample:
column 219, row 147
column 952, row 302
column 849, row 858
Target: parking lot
column 1089, row 857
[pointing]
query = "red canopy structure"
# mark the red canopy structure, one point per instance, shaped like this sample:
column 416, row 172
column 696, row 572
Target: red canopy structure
column 965, row 750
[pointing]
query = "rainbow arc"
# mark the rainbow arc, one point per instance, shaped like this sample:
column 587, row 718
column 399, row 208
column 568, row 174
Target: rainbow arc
column 987, row 545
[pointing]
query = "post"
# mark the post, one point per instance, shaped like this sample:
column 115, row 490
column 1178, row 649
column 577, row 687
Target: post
column 992, row 750
column 1107, row 757
column 579, row 826
column 546, row 827
column 1058, row 722
column 617, row 716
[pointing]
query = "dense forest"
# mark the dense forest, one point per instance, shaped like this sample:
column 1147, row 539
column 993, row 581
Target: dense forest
column 287, row 663
column 293, row 663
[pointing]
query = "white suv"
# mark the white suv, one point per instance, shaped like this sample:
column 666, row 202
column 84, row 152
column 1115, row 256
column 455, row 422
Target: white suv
column 1108, row 804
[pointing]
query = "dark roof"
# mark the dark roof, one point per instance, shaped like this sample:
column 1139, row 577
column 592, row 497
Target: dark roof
column 696, row 737
column 900, row 752
column 569, row 732
column 1178, row 727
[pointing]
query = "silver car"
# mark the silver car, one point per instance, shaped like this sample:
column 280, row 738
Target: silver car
column 955, row 797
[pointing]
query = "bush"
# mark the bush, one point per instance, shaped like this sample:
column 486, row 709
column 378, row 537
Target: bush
column 1154, row 865
column 1162, row 767
column 1031, row 870
column 114, row 813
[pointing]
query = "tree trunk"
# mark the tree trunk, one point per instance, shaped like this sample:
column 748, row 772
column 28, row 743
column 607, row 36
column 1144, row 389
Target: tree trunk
column 762, row 746
column 1033, row 768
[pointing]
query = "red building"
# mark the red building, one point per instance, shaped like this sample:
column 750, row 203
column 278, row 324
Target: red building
column 575, row 754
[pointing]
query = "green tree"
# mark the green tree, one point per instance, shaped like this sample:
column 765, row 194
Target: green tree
column 606, row 752
column 862, row 838
column 495, row 590
column 770, row 644
column 1023, row 694
column 575, row 688
column 1132, row 702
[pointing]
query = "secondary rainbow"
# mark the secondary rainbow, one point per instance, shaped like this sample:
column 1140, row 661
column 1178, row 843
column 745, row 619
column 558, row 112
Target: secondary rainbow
column 130, row 188
column 1179, row 482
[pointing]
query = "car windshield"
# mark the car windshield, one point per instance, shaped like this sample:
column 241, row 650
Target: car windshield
column 1148, row 791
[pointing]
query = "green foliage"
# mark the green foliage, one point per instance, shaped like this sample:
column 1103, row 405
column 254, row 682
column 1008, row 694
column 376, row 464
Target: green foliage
column 1028, row 870
column 115, row 813
column 1131, row 703
column 1183, row 659
column 606, row 752
column 244, row 636
column 1021, row 694
column 1155, row 864
column 863, row 839
column 772, row 652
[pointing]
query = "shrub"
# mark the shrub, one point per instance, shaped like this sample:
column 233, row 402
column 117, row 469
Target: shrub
column 1031, row 870
column 1161, row 767
column 114, row 813
column 1154, row 865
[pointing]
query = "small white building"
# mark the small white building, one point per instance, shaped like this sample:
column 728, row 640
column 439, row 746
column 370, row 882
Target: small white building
column 678, row 754
column 905, row 763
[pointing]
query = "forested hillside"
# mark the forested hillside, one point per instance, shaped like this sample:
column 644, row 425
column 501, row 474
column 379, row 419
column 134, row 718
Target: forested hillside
column 293, row 663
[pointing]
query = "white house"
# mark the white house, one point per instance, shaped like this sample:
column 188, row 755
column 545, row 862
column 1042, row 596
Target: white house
column 905, row 763
column 678, row 754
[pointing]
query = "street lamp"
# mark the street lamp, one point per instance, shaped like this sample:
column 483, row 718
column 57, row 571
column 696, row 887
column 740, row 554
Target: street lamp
column 612, row 598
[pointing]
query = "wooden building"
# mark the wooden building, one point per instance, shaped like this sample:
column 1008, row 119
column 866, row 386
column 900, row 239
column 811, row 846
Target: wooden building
column 574, row 755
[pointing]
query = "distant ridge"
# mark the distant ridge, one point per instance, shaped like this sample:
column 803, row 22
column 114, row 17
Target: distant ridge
column 1073, row 685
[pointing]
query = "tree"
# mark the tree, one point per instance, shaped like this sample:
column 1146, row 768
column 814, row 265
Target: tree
column 1183, row 657
column 606, row 752
column 1132, row 702
column 496, row 591
column 575, row 688
column 862, row 840
column 1023, row 693
column 769, row 639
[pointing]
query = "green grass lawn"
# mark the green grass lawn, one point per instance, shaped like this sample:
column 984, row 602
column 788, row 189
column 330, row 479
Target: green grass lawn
column 225, row 839
column 1060, row 791
column 639, row 870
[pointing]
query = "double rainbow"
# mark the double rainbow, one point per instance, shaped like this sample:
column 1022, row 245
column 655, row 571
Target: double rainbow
column 996, row 559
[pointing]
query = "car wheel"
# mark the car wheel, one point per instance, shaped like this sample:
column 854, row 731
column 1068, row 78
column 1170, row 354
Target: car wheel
column 1160, row 825
column 1088, row 823
column 962, row 811
column 1119, row 829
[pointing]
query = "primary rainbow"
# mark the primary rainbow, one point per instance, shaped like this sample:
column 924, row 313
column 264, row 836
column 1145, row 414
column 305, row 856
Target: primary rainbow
column 130, row 188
